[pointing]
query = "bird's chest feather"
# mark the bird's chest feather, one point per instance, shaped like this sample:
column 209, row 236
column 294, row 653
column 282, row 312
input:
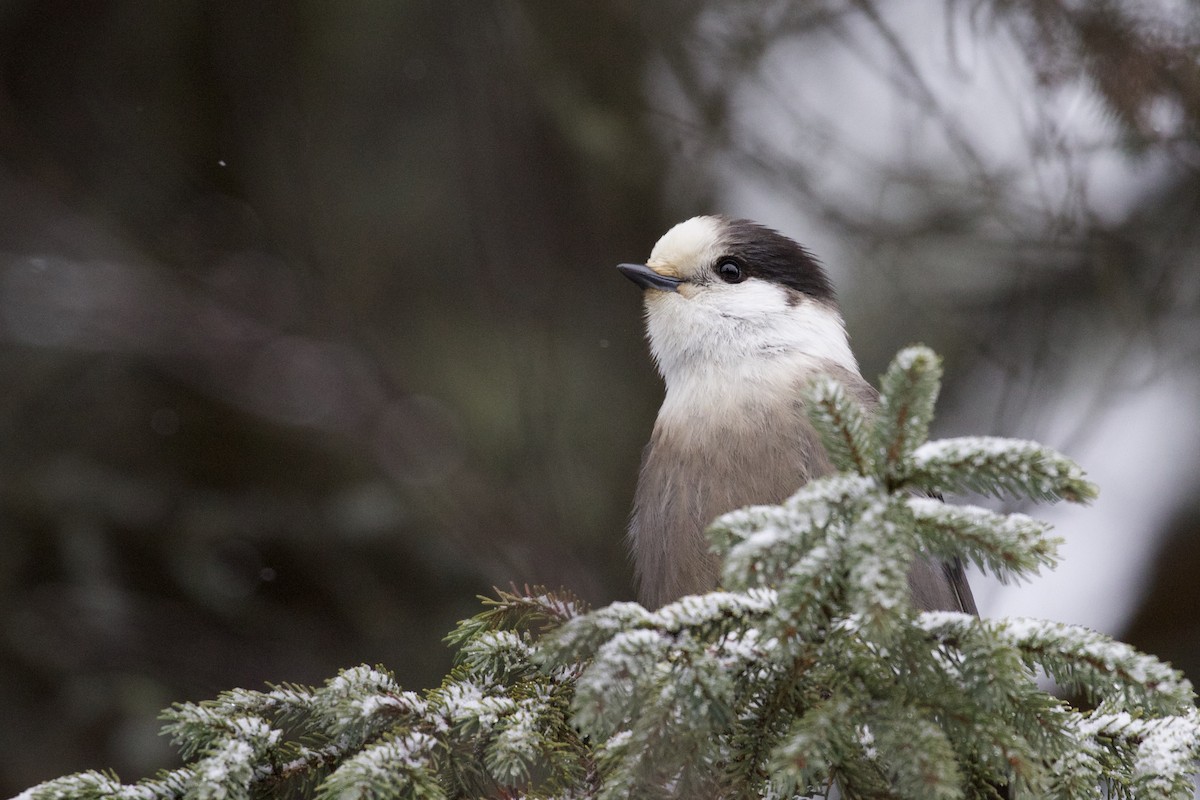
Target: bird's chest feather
column 712, row 460
column 711, row 452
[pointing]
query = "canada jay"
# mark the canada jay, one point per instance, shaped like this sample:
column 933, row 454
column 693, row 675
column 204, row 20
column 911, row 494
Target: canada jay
column 739, row 318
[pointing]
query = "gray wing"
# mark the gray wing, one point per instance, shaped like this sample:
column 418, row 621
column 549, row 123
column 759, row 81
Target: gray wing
column 957, row 576
column 940, row 586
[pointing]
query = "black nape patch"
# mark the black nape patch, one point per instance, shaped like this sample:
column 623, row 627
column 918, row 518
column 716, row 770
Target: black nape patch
column 768, row 254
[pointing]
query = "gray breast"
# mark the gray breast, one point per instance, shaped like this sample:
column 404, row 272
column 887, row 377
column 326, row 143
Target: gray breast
column 699, row 466
column 694, row 470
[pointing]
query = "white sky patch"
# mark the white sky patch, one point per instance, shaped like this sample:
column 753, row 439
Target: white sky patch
column 857, row 119
column 1143, row 454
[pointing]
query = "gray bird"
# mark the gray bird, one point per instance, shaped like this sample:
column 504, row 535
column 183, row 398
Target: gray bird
column 739, row 318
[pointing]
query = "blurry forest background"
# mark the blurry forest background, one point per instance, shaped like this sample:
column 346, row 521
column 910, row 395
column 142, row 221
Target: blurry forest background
column 310, row 332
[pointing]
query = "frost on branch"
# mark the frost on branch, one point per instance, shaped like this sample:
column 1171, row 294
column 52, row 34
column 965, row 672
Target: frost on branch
column 843, row 426
column 997, row 467
column 808, row 673
column 1007, row 545
column 908, row 392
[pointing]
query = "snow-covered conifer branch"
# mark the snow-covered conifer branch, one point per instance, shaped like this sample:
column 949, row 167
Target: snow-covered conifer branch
column 908, row 392
column 1149, row 757
column 997, row 467
column 878, row 553
column 924, row 762
column 228, row 769
column 400, row 766
column 673, row 713
column 807, row 672
column 1100, row 666
column 814, row 745
column 534, row 608
column 578, row 640
column 498, row 654
column 842, row 423
column 762, row 543
column 361, row 703
column 198, row 728
column 1007, row 545
column 85, row 786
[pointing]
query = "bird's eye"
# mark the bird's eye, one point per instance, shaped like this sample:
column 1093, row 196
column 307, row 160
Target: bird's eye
column 730, row 272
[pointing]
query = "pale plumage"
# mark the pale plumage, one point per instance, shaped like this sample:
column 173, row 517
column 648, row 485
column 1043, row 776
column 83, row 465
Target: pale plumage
column 739, row 317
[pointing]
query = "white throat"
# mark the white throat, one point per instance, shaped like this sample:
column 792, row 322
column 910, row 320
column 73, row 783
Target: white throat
column 710, row 352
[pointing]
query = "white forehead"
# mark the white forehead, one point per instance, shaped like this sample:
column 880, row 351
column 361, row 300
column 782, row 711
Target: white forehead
column 690, row 244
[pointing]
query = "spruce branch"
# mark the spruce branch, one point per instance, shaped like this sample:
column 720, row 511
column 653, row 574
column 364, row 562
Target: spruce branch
column 1099, row 666
column 534, row 608
column 1007, row 545
column 88, row 785
column 878, row 551
column 200, row 728
column 578, row 641
column 808, row 672
column 842, row 424
column 360, row 704
column 400, row 766
column 1149, row 757
column 228, row 767
column 679, row 711
column 763, row 543
column 997, row 467
column 609, row 688
column 810, row 751
column 922, row 762
column 908, row 392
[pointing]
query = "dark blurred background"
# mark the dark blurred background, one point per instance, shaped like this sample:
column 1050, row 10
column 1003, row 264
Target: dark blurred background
column 309, row 331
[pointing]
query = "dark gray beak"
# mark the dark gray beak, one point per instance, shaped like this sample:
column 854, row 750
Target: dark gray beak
column 647, row 278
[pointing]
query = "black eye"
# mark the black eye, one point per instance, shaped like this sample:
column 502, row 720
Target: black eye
column 730, row 272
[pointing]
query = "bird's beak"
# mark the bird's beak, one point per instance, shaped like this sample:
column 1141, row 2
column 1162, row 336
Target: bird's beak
column 647, row 278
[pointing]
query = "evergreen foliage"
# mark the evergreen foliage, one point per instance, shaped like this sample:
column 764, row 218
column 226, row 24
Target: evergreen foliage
column 809, row 669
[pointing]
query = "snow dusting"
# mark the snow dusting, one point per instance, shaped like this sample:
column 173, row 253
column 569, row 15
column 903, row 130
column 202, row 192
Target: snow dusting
column 700, row 609
column 468, row 702
column 410, row 750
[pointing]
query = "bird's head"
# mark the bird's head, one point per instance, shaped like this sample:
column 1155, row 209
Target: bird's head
column 730, row 292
